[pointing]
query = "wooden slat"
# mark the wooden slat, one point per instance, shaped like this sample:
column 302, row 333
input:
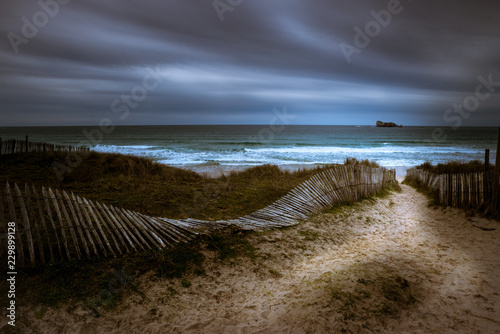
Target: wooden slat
column 131, row 229
column 35, row 223
column 83, row 209
column 303, row 197
column 43, row 223
column 321, row 182
column 155, row 232
column 170, row 227
column 122, row 227
column 315, row 194
column 332, row 188
column 304, row 193
column 147, row 230
column 74, row 223
column 86, row 228
column 142, row 231
column 27, row 225
column 174, row 230
column 299, row 205
column 109, row 227
column 274, row 214
column 162, row 230
column 99, row 221
column 10, row 203
column 49, row 213
column 288, row 209
column 61, row 224
column 182, row 228
column 115, row 226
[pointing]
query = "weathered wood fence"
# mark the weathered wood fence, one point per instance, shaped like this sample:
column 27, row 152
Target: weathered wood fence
column 11, row 146
column 54, row 226
column 465, row 190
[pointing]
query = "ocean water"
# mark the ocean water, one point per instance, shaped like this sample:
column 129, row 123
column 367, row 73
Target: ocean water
column 208, row 148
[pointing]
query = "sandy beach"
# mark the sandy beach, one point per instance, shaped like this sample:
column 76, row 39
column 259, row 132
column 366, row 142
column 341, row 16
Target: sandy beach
column 230, row 166
column 445, row 265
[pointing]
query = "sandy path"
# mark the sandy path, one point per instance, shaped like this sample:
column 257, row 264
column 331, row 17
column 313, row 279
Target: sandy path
column 451, row 266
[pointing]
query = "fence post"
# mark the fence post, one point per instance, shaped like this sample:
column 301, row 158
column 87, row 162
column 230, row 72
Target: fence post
column 26, row 143
column 486, row 179
column 496, row 178
column 26, row 220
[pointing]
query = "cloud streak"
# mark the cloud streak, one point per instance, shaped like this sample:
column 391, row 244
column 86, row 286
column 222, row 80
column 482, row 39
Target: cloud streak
column 264, row 54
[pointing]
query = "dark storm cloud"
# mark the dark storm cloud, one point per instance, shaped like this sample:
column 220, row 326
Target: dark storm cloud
column 263, row 55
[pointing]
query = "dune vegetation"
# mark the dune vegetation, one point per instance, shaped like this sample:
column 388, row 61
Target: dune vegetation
column 155, row 189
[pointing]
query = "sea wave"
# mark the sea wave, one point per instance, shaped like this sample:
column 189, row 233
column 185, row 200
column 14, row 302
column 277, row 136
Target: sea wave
column 114, row 148
column 386, row 155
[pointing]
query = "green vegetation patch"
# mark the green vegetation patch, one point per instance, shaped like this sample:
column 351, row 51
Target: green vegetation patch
column 366, row 162
column 363, row 295
column 100, row 284
column 231, row 246
column 155, row 189
column 455, row 167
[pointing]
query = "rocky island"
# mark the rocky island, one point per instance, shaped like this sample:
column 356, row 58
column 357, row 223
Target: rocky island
column 388, row 125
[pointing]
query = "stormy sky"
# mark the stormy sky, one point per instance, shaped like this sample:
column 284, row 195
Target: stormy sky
column 334, row 62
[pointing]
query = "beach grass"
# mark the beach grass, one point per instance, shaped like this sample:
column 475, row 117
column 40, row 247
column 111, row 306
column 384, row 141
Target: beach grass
column 365, row 162
column 152, row 188
column 155, row 189
column 97, row 285
column 455, row 167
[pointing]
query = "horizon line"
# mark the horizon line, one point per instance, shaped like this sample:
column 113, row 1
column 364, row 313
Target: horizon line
column 354, row 125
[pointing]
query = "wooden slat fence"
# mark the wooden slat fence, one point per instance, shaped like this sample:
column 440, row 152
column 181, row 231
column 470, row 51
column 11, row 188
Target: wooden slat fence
column 340, row 184
column 56, row 226
column 11, row 146
column 466, row 190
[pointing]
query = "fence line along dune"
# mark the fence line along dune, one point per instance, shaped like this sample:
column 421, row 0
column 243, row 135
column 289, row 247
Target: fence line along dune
column 461, row 190
column 54, row 226
column 11, row 146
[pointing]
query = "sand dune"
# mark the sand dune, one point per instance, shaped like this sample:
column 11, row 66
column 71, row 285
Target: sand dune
column 393, row 266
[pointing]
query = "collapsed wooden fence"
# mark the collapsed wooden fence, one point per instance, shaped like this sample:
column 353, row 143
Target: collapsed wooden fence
column 54, row 226
column 11, row 146
column 465, row 190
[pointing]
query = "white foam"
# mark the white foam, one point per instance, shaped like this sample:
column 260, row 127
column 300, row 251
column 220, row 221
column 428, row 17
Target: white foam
column 291, row 155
